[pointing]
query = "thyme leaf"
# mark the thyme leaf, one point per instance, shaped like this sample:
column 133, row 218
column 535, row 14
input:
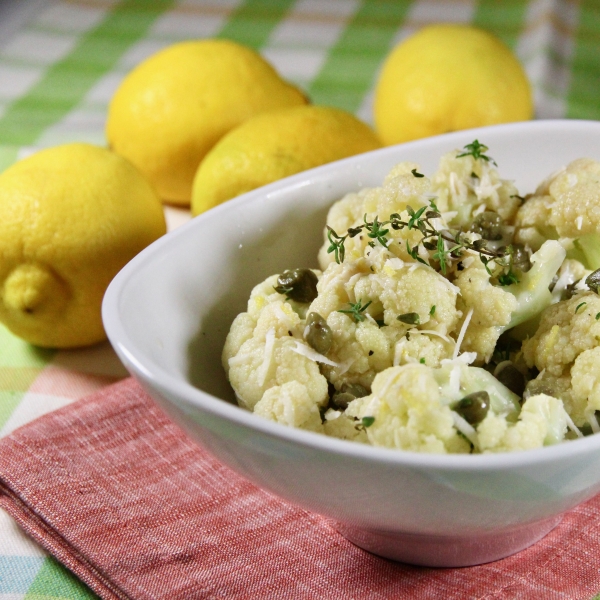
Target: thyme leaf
column 411, row 318
column 336, row 245
column 356, row 310
column 476, row 149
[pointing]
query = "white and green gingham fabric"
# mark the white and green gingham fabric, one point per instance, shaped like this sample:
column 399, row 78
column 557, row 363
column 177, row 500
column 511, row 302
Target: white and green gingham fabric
column 61, row 61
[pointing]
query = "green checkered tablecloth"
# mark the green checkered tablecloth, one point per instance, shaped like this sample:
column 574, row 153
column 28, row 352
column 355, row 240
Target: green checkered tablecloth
column 61, row 61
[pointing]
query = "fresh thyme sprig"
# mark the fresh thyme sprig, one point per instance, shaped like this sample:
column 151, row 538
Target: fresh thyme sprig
column 356, row 310
column 376, row 231
column 476, row 150
column 443, row 246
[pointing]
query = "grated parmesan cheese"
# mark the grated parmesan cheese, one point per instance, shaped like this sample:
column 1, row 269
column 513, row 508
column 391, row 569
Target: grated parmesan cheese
column 267, row 356
column 461, row 335
column 466, row 429
column 313, row 355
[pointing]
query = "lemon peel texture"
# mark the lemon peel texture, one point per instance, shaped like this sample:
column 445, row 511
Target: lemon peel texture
column 70, row 218
column 449, row 77
column 173, row 107
column 274, row 145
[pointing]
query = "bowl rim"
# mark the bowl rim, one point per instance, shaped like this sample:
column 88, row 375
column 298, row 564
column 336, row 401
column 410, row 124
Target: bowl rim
column 150, row 372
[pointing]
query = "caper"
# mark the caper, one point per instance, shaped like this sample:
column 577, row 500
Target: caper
column 342, row 399
column 474, row 407
column 593, row 281
column 507, row 374
column 318, row 334
column 347, row 393
column 298, row 284
column 488, row 225
column 357, row 390
column 520, row 256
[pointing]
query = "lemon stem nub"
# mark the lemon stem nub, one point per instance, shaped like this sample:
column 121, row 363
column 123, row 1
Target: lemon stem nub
column 32, row 288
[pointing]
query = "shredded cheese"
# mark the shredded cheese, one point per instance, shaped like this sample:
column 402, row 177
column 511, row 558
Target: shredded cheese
column 394, row 263
column 239, row 359
column 466, row 429
column 311, row 354
column 461, row 335
column 592, row 420
column 485, row 188
column 332, row 414
column 267, row 355
column 572, row 426
column 431, row 332
column 480, row 209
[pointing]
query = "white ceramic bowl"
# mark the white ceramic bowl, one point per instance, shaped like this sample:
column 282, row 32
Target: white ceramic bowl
column 168, row 311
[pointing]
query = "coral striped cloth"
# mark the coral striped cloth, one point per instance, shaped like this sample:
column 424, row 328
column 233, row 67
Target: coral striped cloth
column 119, row 494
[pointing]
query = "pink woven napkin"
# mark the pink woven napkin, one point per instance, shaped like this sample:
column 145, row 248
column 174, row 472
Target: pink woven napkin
column 118, row 493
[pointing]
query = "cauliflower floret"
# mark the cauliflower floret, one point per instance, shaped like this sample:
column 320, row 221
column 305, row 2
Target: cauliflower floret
column 468, row 185
column 408, row 412
column 585, row 385
column 359, row 351
column 290, row 404
column 531, row 294
column 566, row 329
column 542, row 421
column 338, row 424
column 263, row 363
column 241, row 330
column 335, row 287
column 532, row 223
column 566, row 206
column 261, row 350
column 342, row 215
column 401, row 188
column 368, row 344
column 576, row 193
column 579, row 388
column 492, row 308
column 423, row 348
column 414, row 288
column 266, row 306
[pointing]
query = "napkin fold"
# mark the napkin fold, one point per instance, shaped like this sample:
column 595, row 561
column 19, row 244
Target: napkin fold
column 123, row 498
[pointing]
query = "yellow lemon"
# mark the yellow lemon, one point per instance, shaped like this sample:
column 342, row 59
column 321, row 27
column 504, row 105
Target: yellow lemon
column 70, row 218
column 173, row 107
column 445, row 78
column 275, row 145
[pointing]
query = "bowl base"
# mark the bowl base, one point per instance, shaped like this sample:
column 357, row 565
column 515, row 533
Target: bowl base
column 447, row 551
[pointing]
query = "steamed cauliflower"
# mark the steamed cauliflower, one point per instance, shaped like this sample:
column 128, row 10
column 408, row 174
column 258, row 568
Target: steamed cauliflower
column 450, row 315
column 468, row 185
column 567, row 207
column 408, row 412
